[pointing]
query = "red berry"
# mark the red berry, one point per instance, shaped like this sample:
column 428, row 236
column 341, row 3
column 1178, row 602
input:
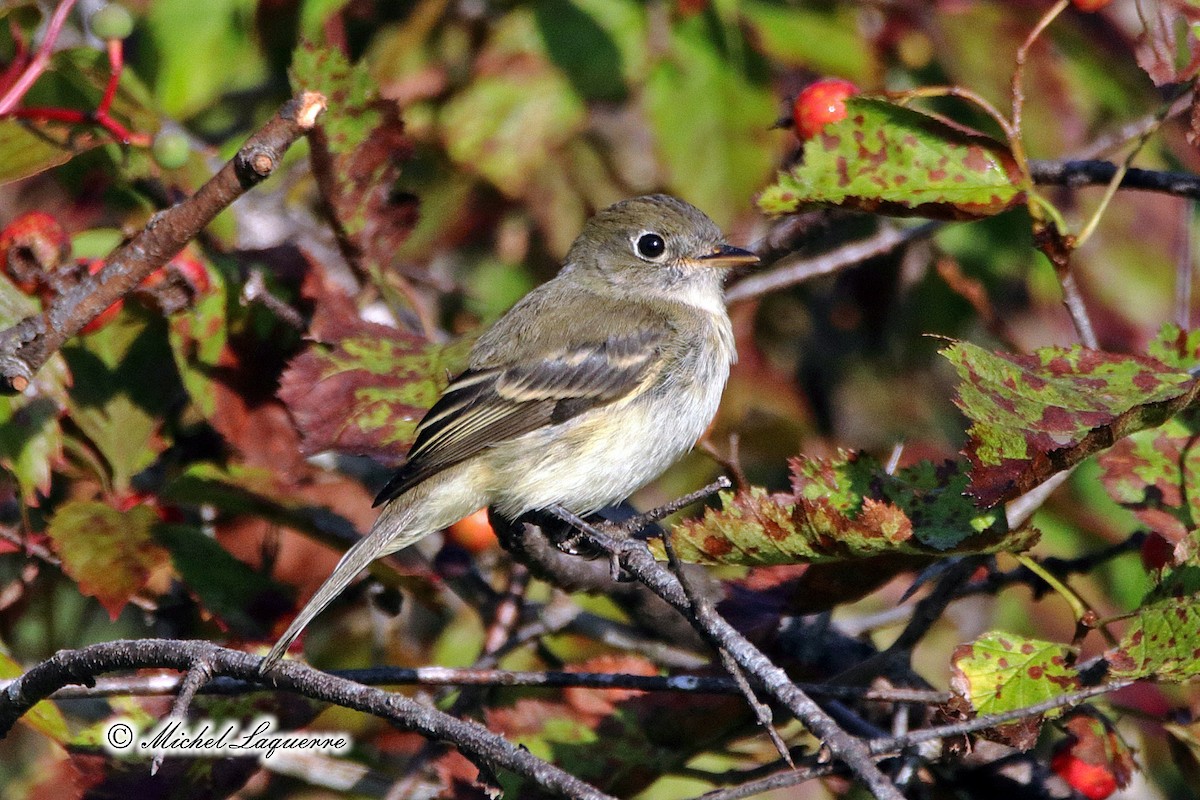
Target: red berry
column 1093, row 781
column 819, row 104
column 1090, row 5
column 192, row 270
column 31, row 246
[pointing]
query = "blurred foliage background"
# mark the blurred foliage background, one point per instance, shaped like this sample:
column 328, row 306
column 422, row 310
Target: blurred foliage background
column 170, row 492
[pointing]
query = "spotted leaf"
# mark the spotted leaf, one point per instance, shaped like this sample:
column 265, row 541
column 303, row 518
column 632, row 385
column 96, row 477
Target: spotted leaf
column 847, row 508
column 1034, row 415
column 891, row 159
column 1161, row 642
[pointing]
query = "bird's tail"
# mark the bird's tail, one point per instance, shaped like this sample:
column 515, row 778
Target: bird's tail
column 397, row 527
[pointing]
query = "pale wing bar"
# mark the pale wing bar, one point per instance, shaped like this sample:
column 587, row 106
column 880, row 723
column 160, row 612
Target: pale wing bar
column 481, row 408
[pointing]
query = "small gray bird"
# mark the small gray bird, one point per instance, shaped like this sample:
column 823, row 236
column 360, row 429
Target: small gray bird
column 586, row 390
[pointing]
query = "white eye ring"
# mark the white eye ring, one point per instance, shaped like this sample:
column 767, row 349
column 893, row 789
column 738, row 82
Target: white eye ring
column 649, row 246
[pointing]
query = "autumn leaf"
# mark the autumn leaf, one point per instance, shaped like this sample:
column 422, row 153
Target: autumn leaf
column 847, row 508
column 890, row 159
column 365, row 386
column 1154, row 472
column 1035, row 415
column 1161, row 642
column 358, row 147
column 1001, row 672
column 111, row 554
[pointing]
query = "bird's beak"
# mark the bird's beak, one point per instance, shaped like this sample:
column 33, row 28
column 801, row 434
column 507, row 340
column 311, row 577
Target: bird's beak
column 725, row 255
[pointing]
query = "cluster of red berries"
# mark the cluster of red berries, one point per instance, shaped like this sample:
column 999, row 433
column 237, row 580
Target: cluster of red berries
column 35, row 254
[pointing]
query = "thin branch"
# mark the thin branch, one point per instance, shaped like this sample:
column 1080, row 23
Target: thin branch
column 1073, row 300
column 1185, row 266
column 644, row 520
column 635, row 558
column 255, row 291
column 169, row 685
column 1077, row 174
column 487, row 750
column 26, row 346
column 762, row 712
column 1116, row 139
column 791, row 270
column 893, row 744
column 197, row 677
column 1018, row 75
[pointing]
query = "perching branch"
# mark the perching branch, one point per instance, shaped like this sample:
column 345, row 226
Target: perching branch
column 485, row 749
column 634, row 558
column 26, row 346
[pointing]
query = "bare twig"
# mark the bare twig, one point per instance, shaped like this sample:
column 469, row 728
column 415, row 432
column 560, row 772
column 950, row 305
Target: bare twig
column 1018, row 76
column 1077, row 174
column 1185, row 265
column 197, row 676
column 1114, row 140
column 26, row 346
column 762, row 712
column 635, row 558
column 635, row 524
column 169, row 685
column 791, row 270
column 256, row 291
column 892, row 744
column 1073, row 300
column 487, row 750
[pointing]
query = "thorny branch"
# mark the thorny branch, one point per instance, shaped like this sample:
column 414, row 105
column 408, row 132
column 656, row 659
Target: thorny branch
column 26, row 346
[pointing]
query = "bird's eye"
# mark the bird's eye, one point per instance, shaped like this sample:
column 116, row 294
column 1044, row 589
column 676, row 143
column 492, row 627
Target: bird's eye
column 651, row 245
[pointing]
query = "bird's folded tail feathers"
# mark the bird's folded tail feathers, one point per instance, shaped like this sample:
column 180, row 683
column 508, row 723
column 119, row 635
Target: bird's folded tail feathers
column 393, row 530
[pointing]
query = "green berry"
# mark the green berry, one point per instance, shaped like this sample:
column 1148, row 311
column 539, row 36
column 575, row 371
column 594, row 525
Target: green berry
column 112, row 22
column 170, row 149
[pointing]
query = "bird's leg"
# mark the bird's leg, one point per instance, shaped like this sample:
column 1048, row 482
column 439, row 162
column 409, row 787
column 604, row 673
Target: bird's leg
column 583, row 526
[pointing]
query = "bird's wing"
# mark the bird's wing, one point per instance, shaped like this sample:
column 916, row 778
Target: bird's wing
column 485, row 406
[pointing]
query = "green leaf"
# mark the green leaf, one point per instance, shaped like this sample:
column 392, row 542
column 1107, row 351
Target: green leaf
column 825, row 39
column 24, row 152
column 504, row 126
column 711, row 123
column 241, row 596
column 365, row 390
column 593, row 43
column 198, row 339
column 112, row 402
column 847, row 508
column 885, row 158
column 31, row 438
column 111, row 554
column 199, row 57
column 1001, row 672
column 1162, row 641
column 45, row 717
column 1035, row 415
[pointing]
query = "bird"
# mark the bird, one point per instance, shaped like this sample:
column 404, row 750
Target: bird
column 583, row 392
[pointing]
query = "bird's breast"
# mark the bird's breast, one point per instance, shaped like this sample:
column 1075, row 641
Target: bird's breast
column 604, row 455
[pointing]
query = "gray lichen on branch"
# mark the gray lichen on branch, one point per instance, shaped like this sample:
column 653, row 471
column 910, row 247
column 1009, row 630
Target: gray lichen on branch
column 26, row 346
